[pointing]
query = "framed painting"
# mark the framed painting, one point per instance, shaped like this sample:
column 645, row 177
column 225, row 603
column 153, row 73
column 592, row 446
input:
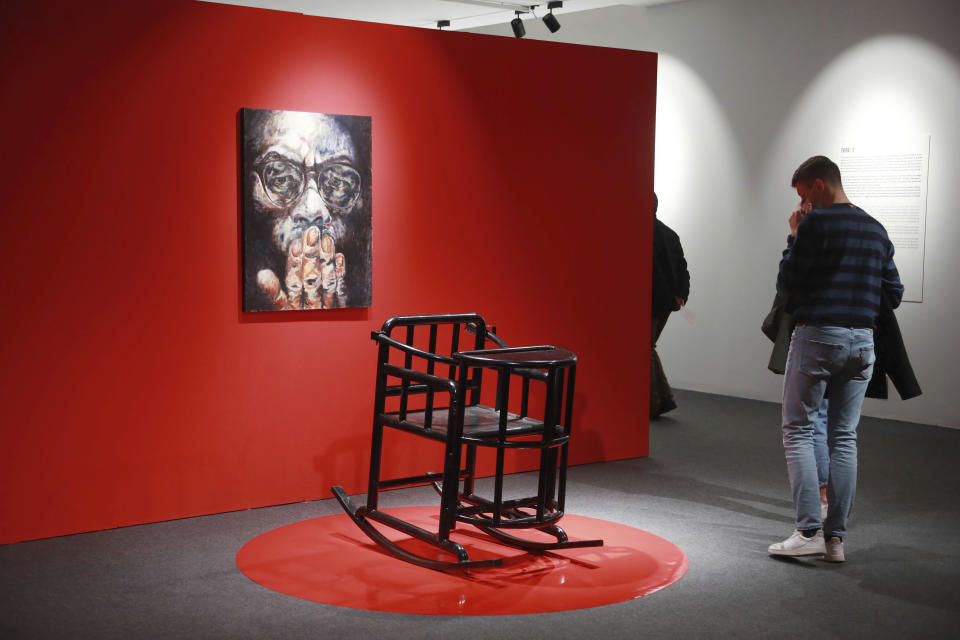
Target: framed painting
column 307, row 214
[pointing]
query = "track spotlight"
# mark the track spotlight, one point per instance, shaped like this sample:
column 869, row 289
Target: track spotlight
column 517, row 25
column 442, row 23
column 551, row 20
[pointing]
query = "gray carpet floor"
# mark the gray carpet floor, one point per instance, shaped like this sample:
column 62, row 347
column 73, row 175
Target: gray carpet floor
column 715, row 484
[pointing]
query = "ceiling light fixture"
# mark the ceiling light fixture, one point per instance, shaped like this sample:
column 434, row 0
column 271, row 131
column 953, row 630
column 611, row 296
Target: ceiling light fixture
column 442, row 23
column 551, row 20
column 517, row 25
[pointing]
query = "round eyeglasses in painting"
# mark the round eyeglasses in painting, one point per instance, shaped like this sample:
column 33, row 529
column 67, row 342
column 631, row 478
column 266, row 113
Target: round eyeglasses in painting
column 285, row 181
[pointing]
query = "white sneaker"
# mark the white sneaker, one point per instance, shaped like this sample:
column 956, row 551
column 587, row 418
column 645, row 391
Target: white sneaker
column 797, row 545
column 834, row 550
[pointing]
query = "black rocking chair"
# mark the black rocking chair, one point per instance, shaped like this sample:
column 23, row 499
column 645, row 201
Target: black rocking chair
column 462, row 421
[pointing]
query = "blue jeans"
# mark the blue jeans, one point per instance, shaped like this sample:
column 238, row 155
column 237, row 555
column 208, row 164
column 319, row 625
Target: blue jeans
column 842, row 359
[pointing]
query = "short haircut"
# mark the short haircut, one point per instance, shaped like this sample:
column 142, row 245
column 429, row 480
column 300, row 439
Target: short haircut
column 656, row 202
column 817, row 167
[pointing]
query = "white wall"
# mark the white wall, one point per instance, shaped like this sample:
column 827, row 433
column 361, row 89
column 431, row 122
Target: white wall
column 747, row 90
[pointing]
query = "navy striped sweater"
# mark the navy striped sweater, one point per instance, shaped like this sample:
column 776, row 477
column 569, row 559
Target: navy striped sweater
column 836, row 267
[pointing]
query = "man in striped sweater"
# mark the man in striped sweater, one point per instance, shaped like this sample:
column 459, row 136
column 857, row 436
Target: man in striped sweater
column 837, row 264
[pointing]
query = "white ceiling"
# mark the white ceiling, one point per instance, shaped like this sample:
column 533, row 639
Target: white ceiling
column 463, row 14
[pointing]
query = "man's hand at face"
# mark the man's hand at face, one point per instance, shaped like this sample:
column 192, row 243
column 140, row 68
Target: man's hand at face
column 310, row 281
column 310, row 269
column 797, row 216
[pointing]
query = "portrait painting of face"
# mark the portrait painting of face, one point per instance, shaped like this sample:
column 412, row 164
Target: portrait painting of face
column 307, row 221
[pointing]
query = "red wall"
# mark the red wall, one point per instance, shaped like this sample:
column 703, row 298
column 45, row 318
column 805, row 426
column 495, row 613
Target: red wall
column 511, row 178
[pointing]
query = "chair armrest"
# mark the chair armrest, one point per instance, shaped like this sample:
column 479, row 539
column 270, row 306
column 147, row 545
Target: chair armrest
column 436, row 382
column 379, row 336
column 491, row 334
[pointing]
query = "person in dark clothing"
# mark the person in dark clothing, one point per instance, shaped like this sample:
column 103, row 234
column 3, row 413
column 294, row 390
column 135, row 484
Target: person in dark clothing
column 671, row 288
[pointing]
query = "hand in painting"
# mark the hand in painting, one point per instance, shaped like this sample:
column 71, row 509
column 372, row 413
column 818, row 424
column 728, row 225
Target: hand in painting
column 313, row 278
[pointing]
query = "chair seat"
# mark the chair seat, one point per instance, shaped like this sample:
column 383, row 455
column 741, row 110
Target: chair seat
column 479, row 422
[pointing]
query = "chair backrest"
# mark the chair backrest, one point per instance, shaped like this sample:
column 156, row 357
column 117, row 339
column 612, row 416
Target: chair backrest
column 426, row 343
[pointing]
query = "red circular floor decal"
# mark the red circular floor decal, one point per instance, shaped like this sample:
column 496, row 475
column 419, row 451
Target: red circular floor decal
column 330, row 560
